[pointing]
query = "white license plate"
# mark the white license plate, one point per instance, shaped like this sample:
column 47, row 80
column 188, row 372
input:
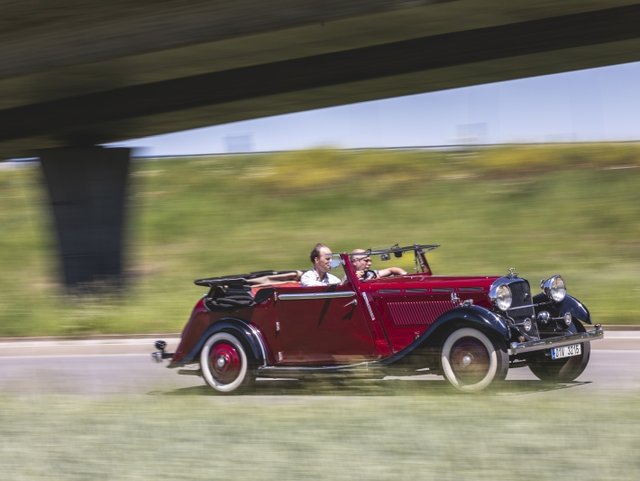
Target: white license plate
column 566, row 351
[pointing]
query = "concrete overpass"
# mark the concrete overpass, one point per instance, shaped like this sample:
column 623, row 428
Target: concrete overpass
column 82, row 73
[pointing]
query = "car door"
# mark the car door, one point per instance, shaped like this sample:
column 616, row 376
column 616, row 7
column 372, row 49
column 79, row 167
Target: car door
column 321, row 326
column 406, row 313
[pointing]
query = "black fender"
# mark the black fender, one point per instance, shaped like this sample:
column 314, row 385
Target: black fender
column 569, row 304
column 245, row 332
column 463, row 316
column 576, row 308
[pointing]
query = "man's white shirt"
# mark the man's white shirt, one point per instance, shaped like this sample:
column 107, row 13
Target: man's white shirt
column 311, row 278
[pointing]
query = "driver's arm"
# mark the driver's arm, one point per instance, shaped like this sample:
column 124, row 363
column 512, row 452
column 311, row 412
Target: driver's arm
column 392, row 271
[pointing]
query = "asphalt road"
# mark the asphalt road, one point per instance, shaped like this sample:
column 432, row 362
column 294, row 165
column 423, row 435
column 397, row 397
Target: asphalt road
column 124, row 367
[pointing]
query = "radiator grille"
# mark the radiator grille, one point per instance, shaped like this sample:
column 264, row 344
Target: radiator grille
column 521, row 297
column 521, row 307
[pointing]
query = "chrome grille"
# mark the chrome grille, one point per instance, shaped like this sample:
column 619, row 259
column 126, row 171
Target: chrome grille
column 521, row 295
column 521, row 306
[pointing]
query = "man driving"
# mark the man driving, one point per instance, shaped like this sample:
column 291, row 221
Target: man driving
column 362, row 264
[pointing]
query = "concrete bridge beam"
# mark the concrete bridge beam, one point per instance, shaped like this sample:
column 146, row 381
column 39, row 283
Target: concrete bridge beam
column 87, row 188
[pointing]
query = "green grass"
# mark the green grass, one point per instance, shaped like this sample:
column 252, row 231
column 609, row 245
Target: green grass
column 572, row 210
column 332, row 437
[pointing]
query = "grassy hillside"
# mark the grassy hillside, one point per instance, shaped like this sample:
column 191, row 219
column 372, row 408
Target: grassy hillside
column 572, row 210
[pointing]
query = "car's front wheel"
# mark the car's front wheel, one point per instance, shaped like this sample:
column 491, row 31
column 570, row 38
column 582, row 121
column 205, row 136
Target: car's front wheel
column 471, row 361
column 225, row 363
column 560, row 370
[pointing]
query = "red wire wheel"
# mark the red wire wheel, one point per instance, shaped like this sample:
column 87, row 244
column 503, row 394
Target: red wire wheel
column 224, row 363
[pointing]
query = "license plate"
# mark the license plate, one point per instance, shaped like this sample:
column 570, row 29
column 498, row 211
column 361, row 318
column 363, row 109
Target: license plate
column 566, row 351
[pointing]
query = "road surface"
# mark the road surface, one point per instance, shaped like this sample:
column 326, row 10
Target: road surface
column 124, row 367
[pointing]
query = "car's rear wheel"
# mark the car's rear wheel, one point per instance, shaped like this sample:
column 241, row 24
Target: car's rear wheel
column 560, row 370
column 471, row 361
column 225, row 363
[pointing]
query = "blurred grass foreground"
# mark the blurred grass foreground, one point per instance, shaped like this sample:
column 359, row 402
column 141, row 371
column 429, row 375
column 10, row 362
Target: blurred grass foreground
column 570, row 209
column 398, row 437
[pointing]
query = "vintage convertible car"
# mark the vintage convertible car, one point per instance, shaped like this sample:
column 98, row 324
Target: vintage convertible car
column 469, row 329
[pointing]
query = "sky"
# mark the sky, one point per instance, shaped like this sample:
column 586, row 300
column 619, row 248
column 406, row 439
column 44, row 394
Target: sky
column 600, row 104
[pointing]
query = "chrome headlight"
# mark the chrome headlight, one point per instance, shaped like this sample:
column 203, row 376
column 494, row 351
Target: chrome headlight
column 554, row 288
column 500, row 295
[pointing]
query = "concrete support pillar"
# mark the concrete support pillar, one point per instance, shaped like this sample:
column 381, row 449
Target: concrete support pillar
column 87, row 191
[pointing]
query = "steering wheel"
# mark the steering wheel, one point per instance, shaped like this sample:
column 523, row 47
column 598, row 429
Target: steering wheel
column 367, row 275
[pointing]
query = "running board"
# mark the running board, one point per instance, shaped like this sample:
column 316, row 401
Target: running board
column 364, row 369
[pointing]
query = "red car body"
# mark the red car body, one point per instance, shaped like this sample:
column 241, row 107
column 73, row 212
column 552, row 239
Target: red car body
column 265, row 324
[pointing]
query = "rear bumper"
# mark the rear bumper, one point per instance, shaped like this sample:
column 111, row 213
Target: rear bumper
column 550, row 342
column 158, row 356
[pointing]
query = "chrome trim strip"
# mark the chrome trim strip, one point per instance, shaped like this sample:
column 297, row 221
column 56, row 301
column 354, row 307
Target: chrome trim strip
column 542, row 344
column 470, row 289
column 315, row 295
column 525, row 306
column 531, row 305
column 366, row 303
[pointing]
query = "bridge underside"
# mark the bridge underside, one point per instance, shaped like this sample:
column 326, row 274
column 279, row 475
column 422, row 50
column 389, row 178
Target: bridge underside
column 111, row 71
column 130, row 69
